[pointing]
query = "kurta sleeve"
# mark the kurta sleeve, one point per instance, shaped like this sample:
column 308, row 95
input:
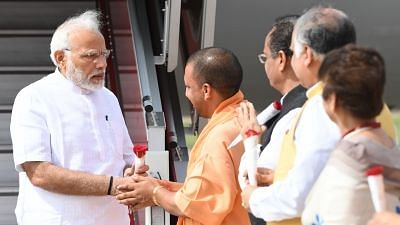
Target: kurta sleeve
column 210, row 189
column 29, row 132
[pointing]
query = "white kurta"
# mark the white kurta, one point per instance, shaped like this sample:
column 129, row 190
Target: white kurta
column 315, row 137
column 53, row 121
column 270, row 155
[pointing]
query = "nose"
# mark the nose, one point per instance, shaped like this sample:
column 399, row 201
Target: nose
column 186, row 93
column 101, row 62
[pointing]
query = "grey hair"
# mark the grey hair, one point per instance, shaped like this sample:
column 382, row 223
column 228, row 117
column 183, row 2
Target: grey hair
column 60, row 40
column 323, row 29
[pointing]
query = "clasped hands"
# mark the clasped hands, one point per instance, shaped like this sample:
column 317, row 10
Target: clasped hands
column 135, row 190
column 247, row 121
column 137, row 193
column 264, row 177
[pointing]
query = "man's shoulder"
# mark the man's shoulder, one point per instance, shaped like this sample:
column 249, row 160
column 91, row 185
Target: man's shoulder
column 295, row 98
column 108, row 94
column 226, row 131
column 316, row 123
column 32, row 88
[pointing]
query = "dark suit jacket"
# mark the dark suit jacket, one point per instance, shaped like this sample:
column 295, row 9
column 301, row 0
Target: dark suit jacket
column 294, row 99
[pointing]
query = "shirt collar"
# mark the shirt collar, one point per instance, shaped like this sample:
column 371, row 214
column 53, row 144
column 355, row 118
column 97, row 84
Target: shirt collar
column 282, row 98
column 69, row 84
column 316, row 89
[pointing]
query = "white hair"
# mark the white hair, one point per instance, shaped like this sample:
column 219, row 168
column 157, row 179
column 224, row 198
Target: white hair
column 60, row 40
column 323, row 29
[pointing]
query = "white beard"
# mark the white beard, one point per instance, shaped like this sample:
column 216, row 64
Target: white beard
column 83, row 81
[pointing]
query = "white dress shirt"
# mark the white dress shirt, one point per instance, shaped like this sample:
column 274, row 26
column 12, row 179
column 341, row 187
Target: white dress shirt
column 270, row 154
column 315, row 137
column 54, row 121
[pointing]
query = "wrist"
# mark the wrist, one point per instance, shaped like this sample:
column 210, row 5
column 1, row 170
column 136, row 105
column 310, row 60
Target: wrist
column 115, row 183
column 252, row 132
column 110, row 185
column 155, row 191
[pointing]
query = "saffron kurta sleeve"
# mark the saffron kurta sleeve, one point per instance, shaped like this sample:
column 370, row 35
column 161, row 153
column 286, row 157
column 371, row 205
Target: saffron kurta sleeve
column 211, row 194
column 210, row 190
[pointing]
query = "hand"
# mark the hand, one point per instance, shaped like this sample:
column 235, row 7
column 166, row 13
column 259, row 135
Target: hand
column 137, row 193
column 142, row 171
column 385, row 218
column 129, row 171
column 264, row 176
column 243, row 178
column 247, row 118
column 119, row 181
column 246, row 193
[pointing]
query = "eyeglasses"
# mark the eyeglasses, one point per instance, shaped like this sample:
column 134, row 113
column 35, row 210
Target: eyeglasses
column 263, row 58
column 93, row 54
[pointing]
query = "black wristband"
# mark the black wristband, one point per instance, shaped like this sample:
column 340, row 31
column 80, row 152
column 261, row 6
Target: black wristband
column 110, row 185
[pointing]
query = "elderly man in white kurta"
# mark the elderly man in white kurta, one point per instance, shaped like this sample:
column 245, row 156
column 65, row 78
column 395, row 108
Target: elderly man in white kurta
column 70, row 142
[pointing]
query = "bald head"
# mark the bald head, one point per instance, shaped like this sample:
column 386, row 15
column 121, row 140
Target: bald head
column 218, row 67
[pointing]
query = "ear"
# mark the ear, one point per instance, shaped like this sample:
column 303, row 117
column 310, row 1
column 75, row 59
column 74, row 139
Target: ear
column 282, row 60
column 332, row 102
column 309, row 55
column 60, row 58
column 207, row 91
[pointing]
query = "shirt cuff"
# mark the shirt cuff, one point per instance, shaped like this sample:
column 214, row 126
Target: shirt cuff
column 255, row 201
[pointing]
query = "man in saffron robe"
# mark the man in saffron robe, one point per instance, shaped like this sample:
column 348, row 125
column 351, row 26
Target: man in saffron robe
column 211, row 193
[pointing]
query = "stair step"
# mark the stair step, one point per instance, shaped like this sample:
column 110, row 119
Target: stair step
column 29, row 70
column 11, row 84
column 5, row 149
column 39, row 14
column 28, row 33
column 5, row 136
column 7, row 207
column 20, row 51
column 8, row 191
column 8, row 174
column 48, row 32
column 5, row 108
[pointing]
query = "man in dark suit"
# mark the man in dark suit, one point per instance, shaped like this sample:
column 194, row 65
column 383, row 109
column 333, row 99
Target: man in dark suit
column 276, row 59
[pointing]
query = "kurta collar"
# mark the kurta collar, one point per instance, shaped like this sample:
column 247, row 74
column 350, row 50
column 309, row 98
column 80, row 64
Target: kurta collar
column 224, row 112
column 65, row 83
column 316, row 89
column 235, row 99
